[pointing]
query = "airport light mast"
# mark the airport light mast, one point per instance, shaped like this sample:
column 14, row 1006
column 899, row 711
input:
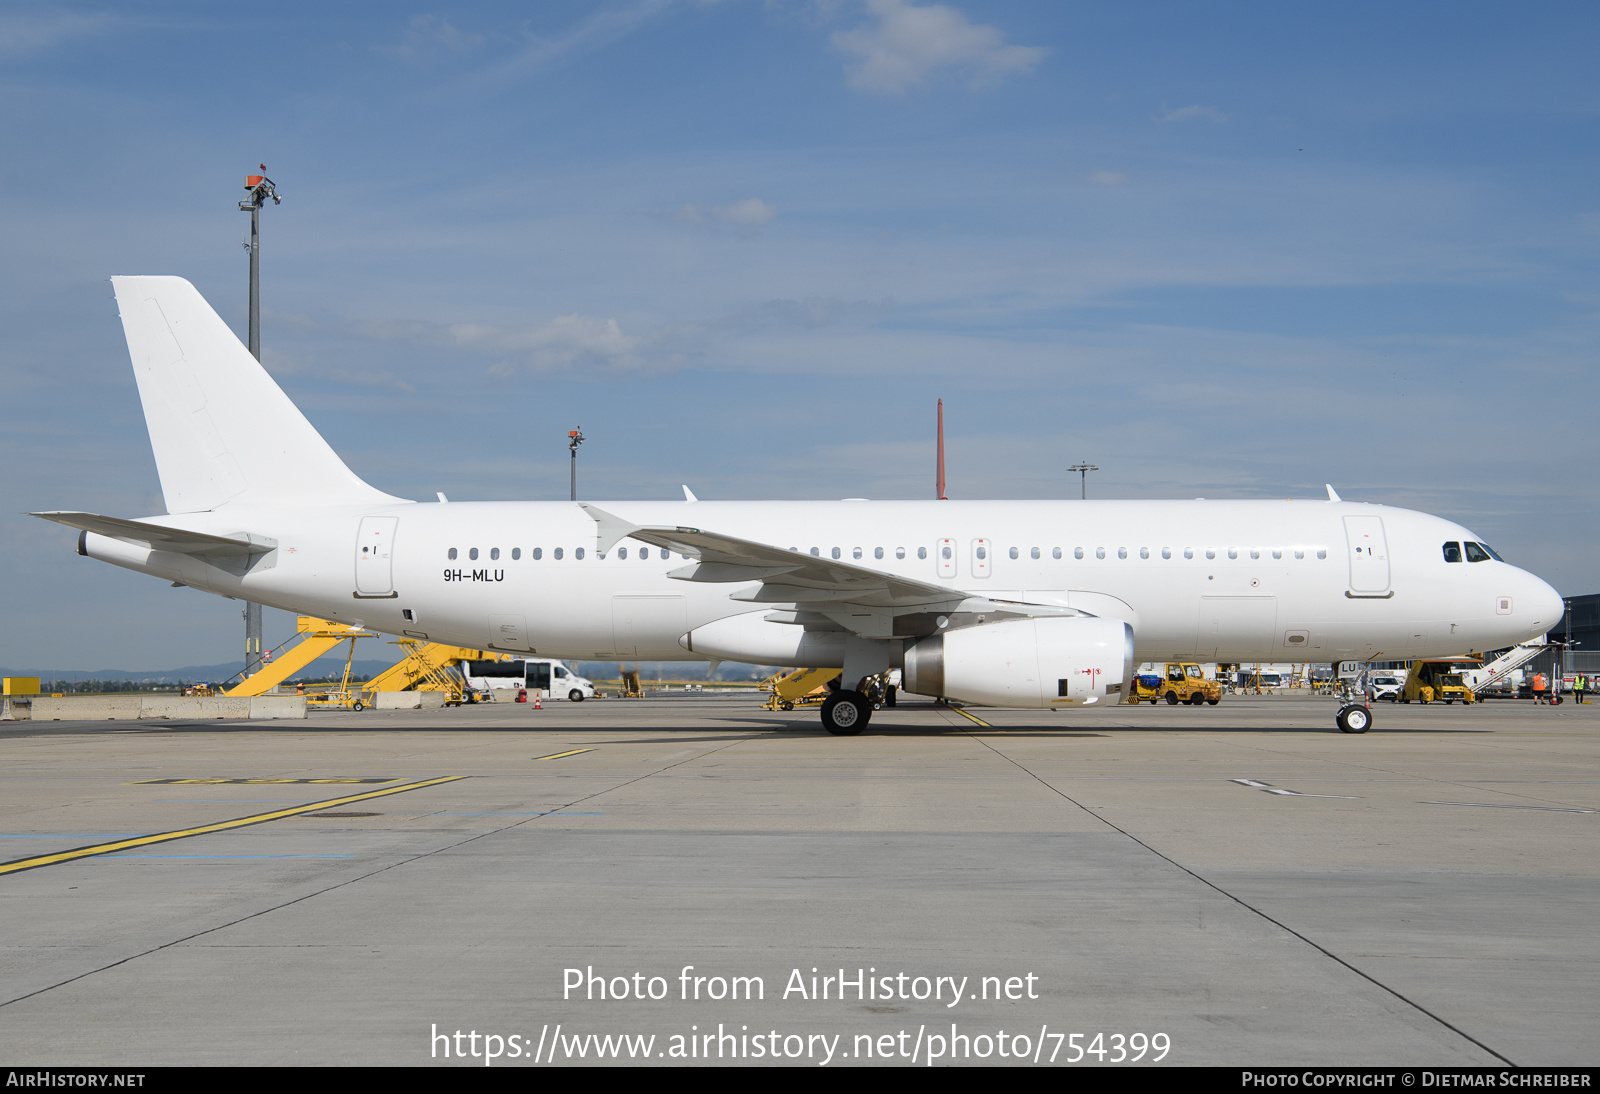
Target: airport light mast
column 575, row 438
column 1083, row 468
column 261, row 188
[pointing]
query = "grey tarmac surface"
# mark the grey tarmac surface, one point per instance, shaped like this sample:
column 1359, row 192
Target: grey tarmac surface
column 1244, row 879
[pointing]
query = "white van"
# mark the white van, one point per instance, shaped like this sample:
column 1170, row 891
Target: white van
column 542, row 677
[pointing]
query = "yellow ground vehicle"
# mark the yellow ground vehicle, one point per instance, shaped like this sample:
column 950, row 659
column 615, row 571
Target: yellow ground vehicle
column 1186, row 682
column 797, row 687
column 1431, row 681
column 1182, row 682
column 1145, row 688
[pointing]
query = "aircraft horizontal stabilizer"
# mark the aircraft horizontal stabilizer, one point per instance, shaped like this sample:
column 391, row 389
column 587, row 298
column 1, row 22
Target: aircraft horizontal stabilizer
column 159, row 538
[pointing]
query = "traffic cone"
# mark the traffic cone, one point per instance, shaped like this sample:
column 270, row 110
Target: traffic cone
column 536, row 703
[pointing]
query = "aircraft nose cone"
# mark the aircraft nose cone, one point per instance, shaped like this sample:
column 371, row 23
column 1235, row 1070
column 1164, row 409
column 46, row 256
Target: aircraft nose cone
column 1548, row 605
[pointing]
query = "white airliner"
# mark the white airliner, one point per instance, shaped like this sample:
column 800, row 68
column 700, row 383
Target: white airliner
column 1034, row 604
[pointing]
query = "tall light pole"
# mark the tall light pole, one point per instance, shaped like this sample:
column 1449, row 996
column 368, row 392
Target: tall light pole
column 1083, row 470
column 261, row 188
column 574, row 439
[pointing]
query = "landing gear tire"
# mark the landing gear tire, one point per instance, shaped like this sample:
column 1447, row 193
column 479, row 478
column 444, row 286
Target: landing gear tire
column 1354, row 719
column 575, row 696
column 1172, row 698
column 846, row 713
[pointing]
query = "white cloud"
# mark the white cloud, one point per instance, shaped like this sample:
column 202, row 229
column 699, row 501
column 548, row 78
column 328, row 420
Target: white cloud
column 750, row 212
column 27, row 33
column 1192, row 114
column 431, row 34
column 560, row 343
column 906, row 43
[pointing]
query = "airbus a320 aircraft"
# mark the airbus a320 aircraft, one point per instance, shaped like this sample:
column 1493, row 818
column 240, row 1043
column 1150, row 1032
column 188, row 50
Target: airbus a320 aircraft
column 1033, row 604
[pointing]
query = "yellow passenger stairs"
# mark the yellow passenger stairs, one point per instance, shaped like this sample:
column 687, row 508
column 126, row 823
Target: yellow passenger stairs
column 794, row 687
column 313, row 637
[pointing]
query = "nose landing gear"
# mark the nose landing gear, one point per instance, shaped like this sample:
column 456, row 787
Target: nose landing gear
column 1354, row 719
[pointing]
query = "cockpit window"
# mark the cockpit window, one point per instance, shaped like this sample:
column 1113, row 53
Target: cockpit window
column 1492, row 552
column 1452, row 552
column 1476, row 553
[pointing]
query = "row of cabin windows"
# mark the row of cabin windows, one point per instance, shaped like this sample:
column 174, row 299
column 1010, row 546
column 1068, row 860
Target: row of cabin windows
column 538, row 553
column 1452, row 552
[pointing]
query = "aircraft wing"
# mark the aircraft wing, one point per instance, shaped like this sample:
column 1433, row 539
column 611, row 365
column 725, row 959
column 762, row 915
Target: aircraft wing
column 825, row 593
column 160, row 538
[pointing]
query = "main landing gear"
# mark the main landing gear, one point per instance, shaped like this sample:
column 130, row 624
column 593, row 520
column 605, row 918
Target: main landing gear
column 846, row 713
column 1354, row 718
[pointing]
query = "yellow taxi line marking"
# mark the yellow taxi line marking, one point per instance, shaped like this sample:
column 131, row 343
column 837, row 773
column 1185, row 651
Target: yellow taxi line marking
column 558, row 755
column 221, row 826
column 971, row 717
column 263, row 782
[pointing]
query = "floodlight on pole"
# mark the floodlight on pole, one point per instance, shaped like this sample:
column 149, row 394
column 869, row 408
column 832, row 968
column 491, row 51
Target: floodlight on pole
column 261, row 188
column 1083, row 470
column 574, row 439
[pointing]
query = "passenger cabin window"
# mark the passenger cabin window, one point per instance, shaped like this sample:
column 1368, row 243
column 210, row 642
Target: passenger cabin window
column 899, row 552
column 1055, row 552
column 1122, row 552
column 1144, row 552
column 451, row 555
column 494, row 552
column 1188, row 552
column 1077, row 552
column 1255, row 552
column 922, row 552
column 1034, row 553
column 1166, row 552
column 473, row 554
column 856, row 553
column 622, row 552
column 1233, row 552
column 946, row 552
column 836, row 552
column 1277, row 552
column 1322, row 552
column 1299, row 552
column 1099, row 552
column 816, row 553
column 1013, row 553
column 1476, row 553
column 982, row 553
column 556, row 554
column 578, row 553
column 1211, row 552
column 538, row 553
column 516, row 553
column 877, row 552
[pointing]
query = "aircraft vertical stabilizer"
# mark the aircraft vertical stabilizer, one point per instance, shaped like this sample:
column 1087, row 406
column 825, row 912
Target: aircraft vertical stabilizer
column 221, row 428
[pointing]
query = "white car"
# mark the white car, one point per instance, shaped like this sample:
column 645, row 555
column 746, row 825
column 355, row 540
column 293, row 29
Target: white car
column 1385, row 687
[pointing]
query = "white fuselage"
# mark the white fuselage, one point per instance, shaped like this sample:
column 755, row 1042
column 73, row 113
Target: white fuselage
column 1206, row 580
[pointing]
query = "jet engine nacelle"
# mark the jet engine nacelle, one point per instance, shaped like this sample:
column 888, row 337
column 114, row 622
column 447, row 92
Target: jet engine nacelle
column 1031, row 663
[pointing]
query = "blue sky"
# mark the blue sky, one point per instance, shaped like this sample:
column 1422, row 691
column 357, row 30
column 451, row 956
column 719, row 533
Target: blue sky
column 1224, row 250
